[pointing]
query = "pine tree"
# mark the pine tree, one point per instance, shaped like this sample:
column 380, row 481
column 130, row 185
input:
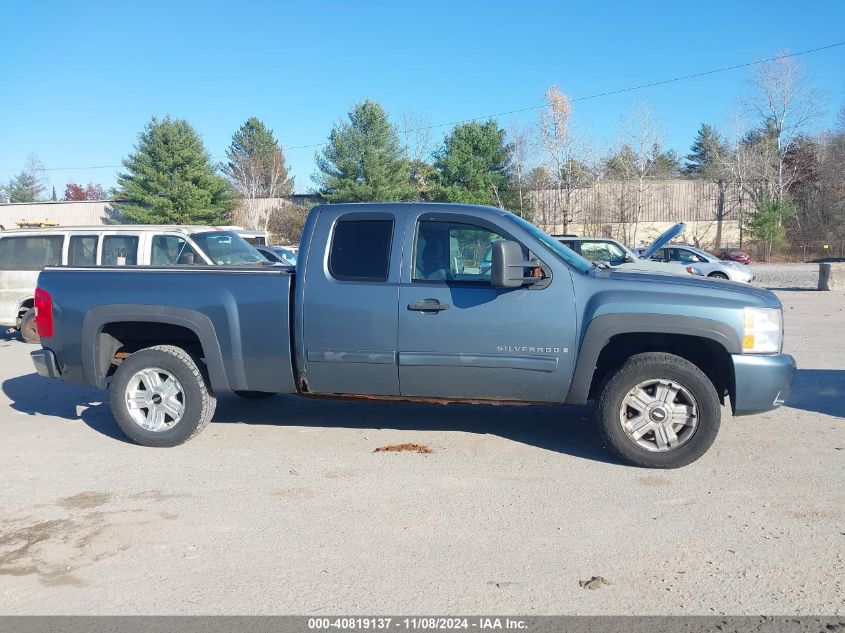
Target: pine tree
column 53, row 197
column 474, row 165
column 707, row 154
column 28, row 186
column 256, row 165
column 665, row 164
column 364, row 160
column 169, row 178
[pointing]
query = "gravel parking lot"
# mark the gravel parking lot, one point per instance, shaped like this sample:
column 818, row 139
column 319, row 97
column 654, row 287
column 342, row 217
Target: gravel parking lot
column 787, row 276
column 282, row 506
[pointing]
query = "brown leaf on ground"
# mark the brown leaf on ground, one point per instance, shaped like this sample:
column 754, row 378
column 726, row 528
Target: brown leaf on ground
column 596, row 582
column 397, row 448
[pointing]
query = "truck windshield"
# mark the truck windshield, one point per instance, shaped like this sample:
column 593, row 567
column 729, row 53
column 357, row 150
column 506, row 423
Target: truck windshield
column 569, row 256
column 225, row 248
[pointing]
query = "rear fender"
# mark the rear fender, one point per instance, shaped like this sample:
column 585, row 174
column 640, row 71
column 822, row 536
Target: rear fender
column 97, row 354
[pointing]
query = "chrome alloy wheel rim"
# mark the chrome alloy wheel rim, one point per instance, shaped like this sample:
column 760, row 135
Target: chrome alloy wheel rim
column 155, row 399
column 659, row 415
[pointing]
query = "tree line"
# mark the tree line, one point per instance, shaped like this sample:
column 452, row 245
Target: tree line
column 793, row 179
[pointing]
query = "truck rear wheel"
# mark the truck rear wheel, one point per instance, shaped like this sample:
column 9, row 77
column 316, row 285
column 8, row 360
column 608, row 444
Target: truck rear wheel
column 659, row 410
column 160, row 396
column 29, row 333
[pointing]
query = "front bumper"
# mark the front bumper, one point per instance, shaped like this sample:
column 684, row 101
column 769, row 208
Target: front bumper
column 45, row 363
column 761, row 383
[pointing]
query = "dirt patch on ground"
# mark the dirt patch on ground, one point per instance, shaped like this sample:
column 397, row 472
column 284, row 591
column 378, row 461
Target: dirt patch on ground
column 295, row 493
column 157, row 495
column 404, row 448
column 340, row 473
column 85, row 500
column 54, row 549
column 596, row 582
column 653, row 481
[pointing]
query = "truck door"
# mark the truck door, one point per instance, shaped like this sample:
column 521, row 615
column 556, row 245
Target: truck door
column 349, row 291
column 459, row 337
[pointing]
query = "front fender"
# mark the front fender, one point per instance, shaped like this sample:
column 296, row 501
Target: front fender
column 603, row 328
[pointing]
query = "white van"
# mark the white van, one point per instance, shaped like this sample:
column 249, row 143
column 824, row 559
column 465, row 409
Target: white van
column 24, row 252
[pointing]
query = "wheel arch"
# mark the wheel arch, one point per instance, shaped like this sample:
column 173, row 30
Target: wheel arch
column 99, row 342
column 25, row 304
column 611, row 339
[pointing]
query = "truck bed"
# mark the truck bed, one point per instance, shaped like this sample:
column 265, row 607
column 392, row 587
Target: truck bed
column 241, row 317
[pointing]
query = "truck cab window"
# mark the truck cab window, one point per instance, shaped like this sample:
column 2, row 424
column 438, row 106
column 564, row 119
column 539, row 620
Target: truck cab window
column 452, row 251
column 360, row 250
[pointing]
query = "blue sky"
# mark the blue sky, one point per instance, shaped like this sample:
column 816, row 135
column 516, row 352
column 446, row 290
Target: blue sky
column 78, row 80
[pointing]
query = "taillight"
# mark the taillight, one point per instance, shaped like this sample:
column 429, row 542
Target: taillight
column 43, row 312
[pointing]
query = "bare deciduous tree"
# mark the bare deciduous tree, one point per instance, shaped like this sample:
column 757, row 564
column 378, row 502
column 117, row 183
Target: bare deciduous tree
column 416, row 137
column 565, row 155
column 257, row 169
column 31, row 184
column 641, row 143
column 416, row 134
column 784, row 103
column 520, row 140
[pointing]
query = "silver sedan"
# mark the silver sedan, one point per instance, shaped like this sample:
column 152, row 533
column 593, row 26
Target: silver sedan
column 709, row 265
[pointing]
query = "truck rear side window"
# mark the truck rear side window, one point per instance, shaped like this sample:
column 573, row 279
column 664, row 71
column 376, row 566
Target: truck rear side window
column 361, row 250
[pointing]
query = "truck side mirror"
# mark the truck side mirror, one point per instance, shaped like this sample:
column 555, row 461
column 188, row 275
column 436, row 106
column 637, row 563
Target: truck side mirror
column 507, row 265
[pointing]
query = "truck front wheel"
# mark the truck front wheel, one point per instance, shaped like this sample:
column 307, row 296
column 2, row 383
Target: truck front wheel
column 659, row 410
column 160, row 396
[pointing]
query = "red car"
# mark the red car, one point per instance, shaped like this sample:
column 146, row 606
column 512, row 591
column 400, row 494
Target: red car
column 735, row 255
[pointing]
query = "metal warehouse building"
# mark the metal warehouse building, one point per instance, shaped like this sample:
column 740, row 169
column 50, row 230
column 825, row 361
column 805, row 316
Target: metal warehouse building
column 65, row 213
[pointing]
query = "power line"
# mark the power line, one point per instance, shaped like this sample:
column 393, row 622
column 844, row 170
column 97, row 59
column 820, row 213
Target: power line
column 630, row 88
column 597, row 95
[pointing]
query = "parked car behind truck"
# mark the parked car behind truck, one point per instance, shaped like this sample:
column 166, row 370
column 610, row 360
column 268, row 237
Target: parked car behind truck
column 24, row 252
column 377, row 308
column 709, row 265
column 612, row 253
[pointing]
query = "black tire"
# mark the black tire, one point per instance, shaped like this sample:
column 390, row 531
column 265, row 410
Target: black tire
column 255, row 395
column 718, row 275
column 29, row 333
column 198, row 402
column 640, row 369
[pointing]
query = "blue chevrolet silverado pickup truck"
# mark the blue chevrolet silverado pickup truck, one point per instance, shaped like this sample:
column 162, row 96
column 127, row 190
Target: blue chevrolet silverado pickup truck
column 399, row 301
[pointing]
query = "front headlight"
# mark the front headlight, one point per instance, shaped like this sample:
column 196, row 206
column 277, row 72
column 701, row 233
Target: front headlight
column 762, row 330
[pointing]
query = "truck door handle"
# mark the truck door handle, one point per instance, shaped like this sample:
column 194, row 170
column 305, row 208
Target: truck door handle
column 428, row 305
